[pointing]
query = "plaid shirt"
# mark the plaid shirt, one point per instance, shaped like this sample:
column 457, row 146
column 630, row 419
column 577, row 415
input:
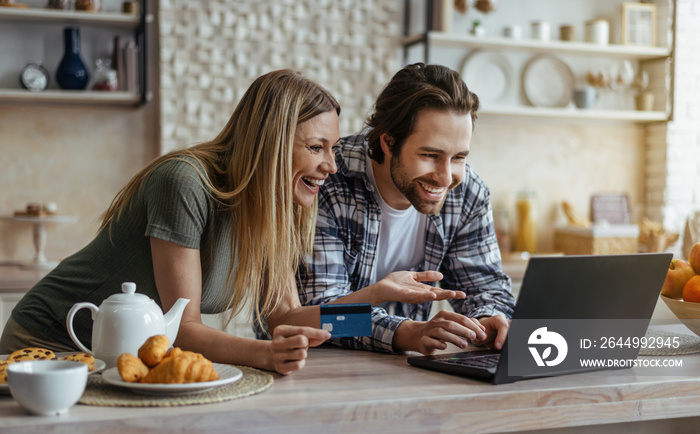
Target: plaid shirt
column 460, row 243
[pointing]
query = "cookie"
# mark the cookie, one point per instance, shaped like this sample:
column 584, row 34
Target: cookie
column 83, row 358
column 154, row 349
column 3, row 370
column 28, row 354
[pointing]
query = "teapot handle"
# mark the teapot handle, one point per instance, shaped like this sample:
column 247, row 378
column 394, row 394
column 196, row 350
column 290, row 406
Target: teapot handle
column 69, row 322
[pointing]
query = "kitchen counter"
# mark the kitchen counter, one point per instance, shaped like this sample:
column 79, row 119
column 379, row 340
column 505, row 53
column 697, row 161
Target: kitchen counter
column 355, row 391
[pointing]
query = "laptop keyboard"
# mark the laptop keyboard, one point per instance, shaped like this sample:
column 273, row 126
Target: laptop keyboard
column 485, row 361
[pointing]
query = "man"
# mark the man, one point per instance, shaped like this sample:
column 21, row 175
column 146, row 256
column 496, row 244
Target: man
column 405, row 208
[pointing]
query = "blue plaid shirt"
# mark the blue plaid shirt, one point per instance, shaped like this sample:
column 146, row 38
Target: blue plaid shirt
column 460, row 243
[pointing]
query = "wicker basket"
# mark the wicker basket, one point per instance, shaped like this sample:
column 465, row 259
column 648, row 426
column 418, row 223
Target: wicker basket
column 598, row 240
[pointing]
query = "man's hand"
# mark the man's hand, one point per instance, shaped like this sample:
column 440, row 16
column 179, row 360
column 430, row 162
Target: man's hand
column 406, row 287
column 496, row 328
column 428, row 337
column 290, row 344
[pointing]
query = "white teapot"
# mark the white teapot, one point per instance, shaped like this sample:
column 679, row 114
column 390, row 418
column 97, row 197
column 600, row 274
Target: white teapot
column 124, row 321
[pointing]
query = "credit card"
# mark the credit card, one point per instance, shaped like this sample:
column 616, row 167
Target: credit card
column 347, row 320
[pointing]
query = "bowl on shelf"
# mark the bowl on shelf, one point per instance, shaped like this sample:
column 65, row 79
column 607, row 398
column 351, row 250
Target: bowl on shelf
column 688, row 313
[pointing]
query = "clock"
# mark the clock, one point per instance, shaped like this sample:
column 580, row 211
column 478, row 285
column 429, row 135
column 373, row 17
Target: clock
column 34, row 77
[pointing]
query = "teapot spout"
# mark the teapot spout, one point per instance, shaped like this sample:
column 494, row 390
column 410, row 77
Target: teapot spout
column 173, row 317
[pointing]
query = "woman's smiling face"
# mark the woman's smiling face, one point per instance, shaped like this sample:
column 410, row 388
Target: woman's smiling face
column 313, row 156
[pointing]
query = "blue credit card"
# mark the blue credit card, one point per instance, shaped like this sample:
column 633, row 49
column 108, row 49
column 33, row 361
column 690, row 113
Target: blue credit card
column 346, row 320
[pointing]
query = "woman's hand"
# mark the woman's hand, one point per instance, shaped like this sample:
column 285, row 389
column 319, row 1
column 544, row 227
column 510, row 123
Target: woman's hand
column 406, row 287
column 290, row 344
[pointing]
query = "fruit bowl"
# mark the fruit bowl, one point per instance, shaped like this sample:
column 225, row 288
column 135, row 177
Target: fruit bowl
column 688, row 313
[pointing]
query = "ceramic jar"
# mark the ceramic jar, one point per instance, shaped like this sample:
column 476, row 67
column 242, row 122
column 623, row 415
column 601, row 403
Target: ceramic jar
column 597, row 32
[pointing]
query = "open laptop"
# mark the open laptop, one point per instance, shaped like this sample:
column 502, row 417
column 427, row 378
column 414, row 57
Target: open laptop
column 585, row 298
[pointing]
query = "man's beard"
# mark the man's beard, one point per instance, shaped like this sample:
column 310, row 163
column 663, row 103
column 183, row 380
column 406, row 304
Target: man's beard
column 409, row 188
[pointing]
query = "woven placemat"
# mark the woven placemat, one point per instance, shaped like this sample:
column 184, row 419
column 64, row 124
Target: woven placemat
column 689, row 344
column 98, row 392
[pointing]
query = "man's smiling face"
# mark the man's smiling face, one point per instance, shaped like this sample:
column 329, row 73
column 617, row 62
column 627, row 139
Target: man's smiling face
column 432, row 161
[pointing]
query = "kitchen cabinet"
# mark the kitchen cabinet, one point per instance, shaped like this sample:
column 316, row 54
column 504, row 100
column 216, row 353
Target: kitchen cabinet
column 454, row 46
column 35, row 35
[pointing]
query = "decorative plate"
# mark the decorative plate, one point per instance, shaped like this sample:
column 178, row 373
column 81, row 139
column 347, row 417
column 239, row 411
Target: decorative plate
column 548, row 82
column 488, row 74
column 227, row 374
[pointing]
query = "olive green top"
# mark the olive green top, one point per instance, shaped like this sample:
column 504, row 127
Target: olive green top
column 174, row 205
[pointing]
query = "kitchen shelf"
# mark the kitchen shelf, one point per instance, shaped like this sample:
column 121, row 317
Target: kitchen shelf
column 435, row 46
column 71, row 96
column 138, row 24
column 556, row 47
column 69, row 17
column 572, row 113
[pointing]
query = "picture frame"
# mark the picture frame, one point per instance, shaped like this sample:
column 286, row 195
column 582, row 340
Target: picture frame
column 639, row 24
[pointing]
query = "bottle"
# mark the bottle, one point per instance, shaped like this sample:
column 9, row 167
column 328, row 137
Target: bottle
column 71, row 72
column 526, row 235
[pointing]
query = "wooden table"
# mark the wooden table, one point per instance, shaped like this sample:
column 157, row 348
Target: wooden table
column 354, row 391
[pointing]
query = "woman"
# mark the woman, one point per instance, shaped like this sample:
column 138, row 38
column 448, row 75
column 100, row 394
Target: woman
column 252, row 191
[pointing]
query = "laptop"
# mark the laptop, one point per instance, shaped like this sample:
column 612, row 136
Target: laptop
column 585, row 300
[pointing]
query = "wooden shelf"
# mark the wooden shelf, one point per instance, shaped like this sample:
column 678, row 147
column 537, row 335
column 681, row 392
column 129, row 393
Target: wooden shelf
column 138, row 24
column 554, row 47
column 74, row 96
column 573, row 113
column 69, row 17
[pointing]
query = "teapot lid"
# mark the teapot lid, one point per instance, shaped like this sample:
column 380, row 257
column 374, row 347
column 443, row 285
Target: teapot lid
column 128, row 295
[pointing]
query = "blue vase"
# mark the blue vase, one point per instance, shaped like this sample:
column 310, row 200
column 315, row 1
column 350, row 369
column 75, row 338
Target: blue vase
column 72, row 73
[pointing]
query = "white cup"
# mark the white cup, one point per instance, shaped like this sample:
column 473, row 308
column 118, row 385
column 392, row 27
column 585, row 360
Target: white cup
column 540, row 30
column 47, row 387
column 513, row 32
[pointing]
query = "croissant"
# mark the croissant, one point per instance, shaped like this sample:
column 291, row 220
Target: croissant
column 154, row 349
column 131, row 368
column 182, row 367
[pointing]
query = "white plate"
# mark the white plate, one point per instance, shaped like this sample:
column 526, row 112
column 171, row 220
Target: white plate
column 487, row 74
column 99, row 367
column 227, row 374
column 548, row 82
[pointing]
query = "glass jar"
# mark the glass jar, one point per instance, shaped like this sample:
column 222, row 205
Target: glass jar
column 501, row 223
column 88, row 5
column 526, row 233
column 105, row 76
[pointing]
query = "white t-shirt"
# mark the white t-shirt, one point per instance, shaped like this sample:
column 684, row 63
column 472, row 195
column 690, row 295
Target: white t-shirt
column 401, row 244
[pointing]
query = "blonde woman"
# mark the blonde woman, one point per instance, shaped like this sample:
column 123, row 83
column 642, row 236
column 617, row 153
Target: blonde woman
column 222, row 223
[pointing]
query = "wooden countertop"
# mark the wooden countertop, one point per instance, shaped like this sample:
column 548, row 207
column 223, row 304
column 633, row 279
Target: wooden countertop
column 355, row 391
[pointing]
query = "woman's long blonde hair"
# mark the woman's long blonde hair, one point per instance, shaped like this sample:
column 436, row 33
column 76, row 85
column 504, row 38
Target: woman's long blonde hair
column 248, row 167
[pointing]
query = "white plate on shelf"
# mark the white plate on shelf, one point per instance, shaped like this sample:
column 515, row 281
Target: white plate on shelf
column 487, row 74
column 548, row 82
column 227, row 374
column 99, row 367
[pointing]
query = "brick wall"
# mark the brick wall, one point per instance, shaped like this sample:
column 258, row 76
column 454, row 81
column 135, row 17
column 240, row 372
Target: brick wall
column 212, row 50
column 673, row 149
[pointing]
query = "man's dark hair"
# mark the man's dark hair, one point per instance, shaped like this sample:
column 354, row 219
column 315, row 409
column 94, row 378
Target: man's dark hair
column 414, row 88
